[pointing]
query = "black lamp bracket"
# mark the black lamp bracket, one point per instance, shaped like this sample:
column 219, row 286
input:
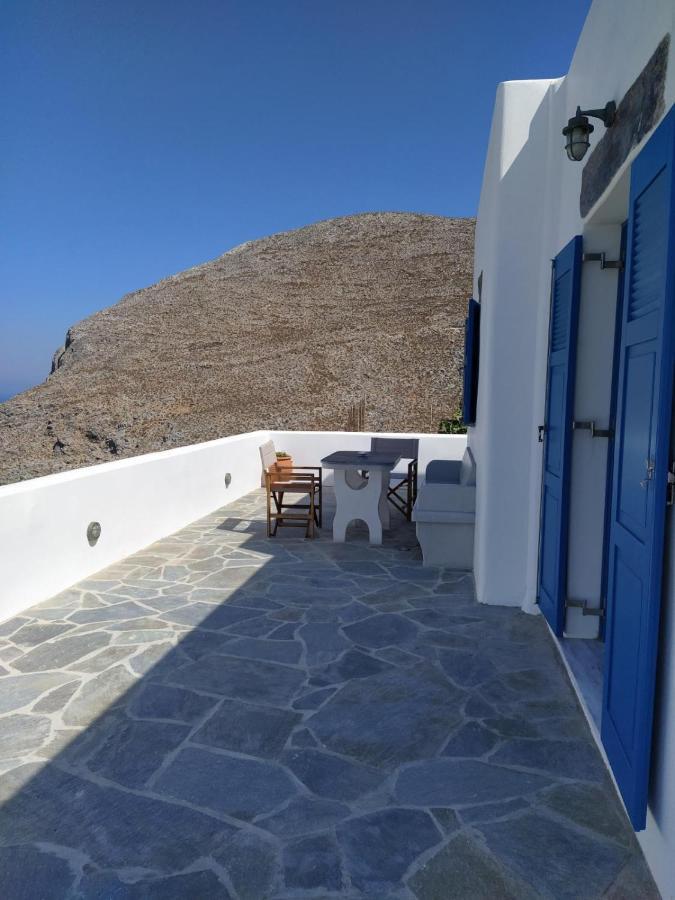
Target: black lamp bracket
column 607, row 114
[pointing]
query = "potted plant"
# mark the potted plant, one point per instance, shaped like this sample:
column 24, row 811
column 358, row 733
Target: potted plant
column 454, row 425
column 284, row 462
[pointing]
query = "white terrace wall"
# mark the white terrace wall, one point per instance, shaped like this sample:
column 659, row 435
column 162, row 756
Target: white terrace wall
column 43, row 522
column 309, row 447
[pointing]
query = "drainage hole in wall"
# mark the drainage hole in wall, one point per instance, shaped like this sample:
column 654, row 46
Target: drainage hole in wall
column 93, row 533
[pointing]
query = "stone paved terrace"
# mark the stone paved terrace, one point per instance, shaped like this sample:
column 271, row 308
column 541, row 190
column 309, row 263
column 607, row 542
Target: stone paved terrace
column 224, row 715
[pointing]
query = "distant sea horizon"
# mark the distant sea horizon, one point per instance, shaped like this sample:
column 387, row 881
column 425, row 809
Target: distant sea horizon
column 11, row 389
column 8, row 393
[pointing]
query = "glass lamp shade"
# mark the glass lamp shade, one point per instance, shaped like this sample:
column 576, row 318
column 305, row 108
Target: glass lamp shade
column 576, row 137
column 577, row 144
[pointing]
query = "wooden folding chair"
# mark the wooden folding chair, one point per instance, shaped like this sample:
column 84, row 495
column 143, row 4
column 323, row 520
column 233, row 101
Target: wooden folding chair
column 301, row 514
column 402, row 491
column 295, row 480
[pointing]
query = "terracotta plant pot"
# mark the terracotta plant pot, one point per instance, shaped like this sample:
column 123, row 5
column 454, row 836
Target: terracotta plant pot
column 283, row 466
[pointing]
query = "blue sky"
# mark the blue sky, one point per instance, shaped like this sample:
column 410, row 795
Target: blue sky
column 141, row 137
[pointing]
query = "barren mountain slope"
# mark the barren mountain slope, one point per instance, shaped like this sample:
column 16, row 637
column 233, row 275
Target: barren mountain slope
column 283, row 332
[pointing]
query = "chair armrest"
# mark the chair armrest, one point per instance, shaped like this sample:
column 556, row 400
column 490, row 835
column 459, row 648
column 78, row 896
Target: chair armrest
column 290, row 474
column 290, row 470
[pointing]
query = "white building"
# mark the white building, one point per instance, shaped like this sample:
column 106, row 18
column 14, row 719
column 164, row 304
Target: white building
column 587, row 535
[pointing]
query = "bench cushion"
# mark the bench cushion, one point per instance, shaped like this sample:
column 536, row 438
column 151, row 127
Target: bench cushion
column 443, row 471
column 452, row 471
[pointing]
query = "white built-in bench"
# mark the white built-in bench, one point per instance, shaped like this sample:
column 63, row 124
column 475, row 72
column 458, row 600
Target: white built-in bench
column 445, row 512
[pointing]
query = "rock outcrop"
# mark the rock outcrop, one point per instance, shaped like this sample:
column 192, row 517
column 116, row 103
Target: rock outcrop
column 284, row 332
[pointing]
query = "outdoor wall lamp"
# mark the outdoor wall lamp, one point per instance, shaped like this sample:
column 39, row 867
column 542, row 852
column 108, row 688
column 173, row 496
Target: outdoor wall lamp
column 579, row 128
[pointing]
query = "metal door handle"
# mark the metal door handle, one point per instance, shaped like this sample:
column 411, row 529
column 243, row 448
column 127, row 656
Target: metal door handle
column 649, row 472
column 541, row 429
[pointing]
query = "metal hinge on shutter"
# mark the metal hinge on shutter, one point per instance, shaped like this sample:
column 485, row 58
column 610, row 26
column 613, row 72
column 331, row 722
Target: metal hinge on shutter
column 586, row 610
column 602, row 259
column 670, row 488
column 594, row 430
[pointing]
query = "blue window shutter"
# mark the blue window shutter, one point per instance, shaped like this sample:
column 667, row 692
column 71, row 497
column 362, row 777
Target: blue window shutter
column 471, row 357
column 555, row 484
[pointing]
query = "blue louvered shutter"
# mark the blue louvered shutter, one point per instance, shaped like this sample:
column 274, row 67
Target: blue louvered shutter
column 555, row 487
column 471, row 357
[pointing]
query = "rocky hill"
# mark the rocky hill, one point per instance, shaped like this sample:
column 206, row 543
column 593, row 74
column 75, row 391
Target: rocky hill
column 284, row 332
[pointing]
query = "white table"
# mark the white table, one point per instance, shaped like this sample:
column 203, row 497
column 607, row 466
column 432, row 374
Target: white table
column 357, row 497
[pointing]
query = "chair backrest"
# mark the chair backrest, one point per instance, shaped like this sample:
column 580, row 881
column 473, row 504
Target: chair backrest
column 268, row 456
column 406, row 448
column 467, row 473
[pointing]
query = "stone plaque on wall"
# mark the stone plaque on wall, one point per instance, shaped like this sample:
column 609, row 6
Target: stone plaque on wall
column 636, row 115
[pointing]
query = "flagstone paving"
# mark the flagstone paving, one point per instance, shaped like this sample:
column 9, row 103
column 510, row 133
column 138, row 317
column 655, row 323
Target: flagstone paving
column 223, row 715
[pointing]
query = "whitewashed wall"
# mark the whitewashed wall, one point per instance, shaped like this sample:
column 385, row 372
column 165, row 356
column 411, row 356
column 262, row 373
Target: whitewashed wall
column 511, row 222
column 529, row 210
column 43, row 522
column 309, row 447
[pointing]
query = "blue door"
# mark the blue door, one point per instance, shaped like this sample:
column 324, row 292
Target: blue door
column 640, row 467
column 557, row 433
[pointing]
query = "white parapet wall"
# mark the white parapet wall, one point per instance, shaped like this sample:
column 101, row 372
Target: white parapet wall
column 309, row 447
column 43, row 522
